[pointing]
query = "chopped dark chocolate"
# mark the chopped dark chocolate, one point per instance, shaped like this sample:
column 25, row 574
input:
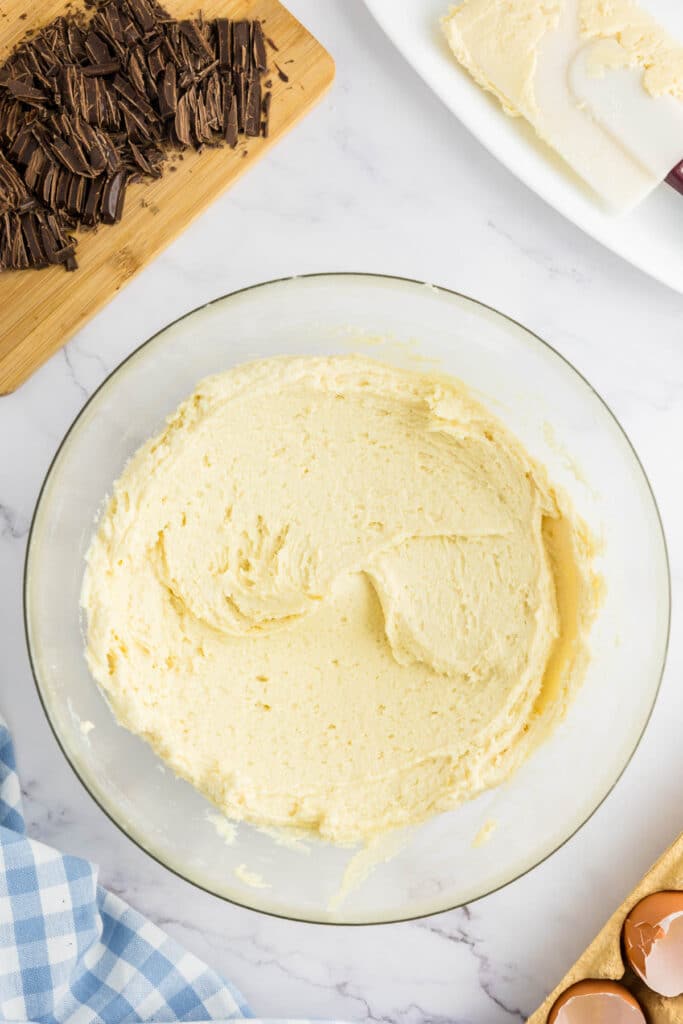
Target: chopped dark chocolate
column 92, row 103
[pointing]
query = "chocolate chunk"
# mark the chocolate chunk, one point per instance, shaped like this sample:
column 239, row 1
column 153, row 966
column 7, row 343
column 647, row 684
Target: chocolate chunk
column 183, row 120
column 260, row 58
column 213, row 99
column 202, row 130
column 131, row 94
column 91, row 208
column 31, row 231
column 241, row 44
column 48, row 185
column 107, row 67
column 70, row 157
column 143, row 14
column 25, row 91
column 223, row 36
column 14, row 254
column 33, row 172
column 240, row 86
column 130, row 32
column 137, row 127
column 168, row 92
column 196, row 39
column 96, row 49
column 230, row 119
column 252, row 117
column 49, row 243
column 113, row 195
column 72, row 195
column 265, row 124
column 76, row 42
column 141, row 160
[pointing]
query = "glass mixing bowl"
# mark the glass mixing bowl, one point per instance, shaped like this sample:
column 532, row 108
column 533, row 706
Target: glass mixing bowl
column 560, row 419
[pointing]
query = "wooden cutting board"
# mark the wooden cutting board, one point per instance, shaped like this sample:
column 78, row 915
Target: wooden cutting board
column 40, row 310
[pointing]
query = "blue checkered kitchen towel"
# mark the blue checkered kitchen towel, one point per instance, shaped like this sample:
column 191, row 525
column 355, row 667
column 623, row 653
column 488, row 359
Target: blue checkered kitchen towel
column 73, row 953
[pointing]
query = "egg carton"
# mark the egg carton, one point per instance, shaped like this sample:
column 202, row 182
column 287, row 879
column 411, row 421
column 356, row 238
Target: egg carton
column 603, row 959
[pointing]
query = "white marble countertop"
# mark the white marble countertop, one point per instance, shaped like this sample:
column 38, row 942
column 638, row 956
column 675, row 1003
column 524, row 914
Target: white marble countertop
column 380, row 177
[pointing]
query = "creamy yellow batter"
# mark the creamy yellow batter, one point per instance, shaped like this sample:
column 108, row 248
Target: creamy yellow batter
column 337, row 595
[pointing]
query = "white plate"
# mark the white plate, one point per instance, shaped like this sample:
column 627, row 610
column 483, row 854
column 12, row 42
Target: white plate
column 650, row 237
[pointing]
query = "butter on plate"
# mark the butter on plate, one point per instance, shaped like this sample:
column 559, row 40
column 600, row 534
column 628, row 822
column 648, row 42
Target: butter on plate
column 532, row 55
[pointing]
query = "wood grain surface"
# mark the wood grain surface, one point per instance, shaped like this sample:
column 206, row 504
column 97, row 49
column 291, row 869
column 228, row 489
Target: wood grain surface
column 40, row 310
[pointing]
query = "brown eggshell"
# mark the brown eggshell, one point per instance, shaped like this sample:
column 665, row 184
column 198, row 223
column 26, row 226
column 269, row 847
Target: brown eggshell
column 653, row 942
column 596, row 1002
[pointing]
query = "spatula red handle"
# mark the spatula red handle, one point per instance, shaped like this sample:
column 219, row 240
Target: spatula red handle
column 675, row 178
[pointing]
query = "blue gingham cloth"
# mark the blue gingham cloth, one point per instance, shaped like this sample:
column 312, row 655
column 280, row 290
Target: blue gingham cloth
column 73, row 953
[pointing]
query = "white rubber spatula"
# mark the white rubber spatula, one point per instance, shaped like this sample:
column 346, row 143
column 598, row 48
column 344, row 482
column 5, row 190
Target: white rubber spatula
column 650, row 129
column 621, row 140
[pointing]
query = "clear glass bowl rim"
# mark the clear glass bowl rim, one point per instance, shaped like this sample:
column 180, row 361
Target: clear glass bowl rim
column 368, row 277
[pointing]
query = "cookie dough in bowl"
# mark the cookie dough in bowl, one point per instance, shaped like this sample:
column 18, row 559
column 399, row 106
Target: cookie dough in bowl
column 338, row 595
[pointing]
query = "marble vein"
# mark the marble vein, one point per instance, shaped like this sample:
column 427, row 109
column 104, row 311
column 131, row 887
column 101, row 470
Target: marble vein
column 462, row 935
column 12, row 523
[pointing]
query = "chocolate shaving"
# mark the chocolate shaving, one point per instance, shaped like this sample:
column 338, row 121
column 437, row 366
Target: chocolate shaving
column 91, row 103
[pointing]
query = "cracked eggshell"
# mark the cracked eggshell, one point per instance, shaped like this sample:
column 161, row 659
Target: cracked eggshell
column 596, row 1002
column 653, row 942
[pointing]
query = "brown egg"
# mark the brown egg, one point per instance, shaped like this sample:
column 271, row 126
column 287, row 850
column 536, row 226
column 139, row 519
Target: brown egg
column 596, row 1002
column 653, row 942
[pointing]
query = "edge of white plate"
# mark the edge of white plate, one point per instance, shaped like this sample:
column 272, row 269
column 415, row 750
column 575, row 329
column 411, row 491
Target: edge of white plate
column 533, row 165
